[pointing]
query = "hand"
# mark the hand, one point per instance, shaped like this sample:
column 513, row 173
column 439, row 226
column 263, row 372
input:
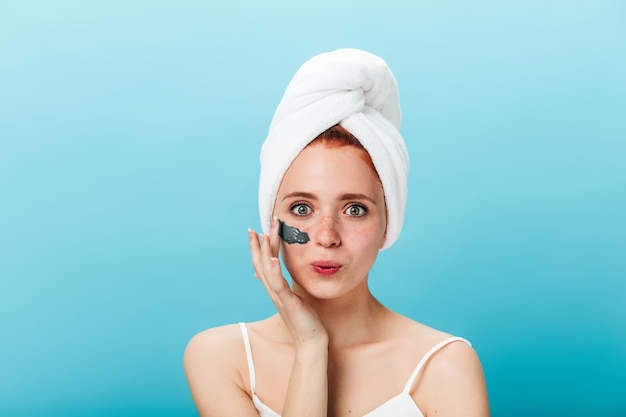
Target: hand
column 301, row 320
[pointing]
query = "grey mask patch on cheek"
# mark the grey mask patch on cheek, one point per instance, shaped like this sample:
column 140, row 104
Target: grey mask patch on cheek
column 291, row 234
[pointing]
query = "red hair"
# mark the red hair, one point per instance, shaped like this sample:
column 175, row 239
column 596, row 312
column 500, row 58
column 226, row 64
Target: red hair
column 337, row 136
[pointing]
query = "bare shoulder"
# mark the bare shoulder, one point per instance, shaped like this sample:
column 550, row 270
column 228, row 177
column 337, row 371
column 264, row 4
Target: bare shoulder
column 456, row 359
column 219, row 346
column 215, row 365
column 452, row 382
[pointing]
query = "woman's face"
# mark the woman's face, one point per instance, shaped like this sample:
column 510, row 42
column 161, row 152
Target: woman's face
column 336, row 198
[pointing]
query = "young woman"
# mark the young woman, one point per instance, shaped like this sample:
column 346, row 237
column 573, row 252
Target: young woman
column 332, row 194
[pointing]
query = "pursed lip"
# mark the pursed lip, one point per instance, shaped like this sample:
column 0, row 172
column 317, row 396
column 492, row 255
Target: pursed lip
column 326, row 267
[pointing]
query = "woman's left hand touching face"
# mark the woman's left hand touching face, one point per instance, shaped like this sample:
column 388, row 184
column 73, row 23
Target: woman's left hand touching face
column 301, row 320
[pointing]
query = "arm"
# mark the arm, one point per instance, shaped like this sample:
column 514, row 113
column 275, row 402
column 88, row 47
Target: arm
column 308, row 383
column 307, row 394
column 453, row 384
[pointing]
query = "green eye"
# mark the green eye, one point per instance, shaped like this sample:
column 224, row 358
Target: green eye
column 300, row 209
column 356, row 210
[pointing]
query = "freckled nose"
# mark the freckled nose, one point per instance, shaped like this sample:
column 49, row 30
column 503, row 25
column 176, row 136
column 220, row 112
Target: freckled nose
column 327, row 234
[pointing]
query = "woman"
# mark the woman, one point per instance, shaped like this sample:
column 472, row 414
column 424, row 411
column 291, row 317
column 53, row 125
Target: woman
column 332, row 194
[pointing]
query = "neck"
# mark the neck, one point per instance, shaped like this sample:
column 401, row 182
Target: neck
column 352, row 319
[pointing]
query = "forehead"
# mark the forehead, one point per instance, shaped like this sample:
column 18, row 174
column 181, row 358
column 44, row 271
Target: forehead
column 321, row 168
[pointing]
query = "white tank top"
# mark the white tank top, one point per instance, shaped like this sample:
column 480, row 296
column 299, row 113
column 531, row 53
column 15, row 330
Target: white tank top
column 402, row 405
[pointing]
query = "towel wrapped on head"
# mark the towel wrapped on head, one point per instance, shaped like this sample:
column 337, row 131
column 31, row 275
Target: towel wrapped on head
column 356, row 90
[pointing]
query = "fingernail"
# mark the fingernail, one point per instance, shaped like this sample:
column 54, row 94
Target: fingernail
column 274, row 221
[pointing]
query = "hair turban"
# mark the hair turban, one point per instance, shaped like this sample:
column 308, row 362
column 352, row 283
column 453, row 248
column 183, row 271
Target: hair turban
column 356, row 90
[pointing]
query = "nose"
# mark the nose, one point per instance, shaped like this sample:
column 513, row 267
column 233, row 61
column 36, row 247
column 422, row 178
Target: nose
column 327, row 234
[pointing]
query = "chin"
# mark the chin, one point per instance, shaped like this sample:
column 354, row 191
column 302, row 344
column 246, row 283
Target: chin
column 322, row 287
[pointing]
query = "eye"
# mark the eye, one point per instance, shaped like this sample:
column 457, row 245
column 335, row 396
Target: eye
column 356, row 210
column 300, row 209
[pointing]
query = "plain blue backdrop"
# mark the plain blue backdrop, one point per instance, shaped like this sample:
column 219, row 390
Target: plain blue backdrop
column 129, row 141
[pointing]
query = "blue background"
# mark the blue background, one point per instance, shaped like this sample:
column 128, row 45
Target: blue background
column 129, row 140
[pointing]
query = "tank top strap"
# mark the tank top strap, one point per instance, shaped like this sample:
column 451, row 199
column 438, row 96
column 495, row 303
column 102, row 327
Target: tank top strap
column 246, row 342
column 422, row 362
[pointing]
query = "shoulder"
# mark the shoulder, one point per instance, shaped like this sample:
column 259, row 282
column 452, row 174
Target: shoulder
column 229, row 333
column 219, row 347
column 215, row 364
column 451, row 380
column 453, row 372
column 455, row 359
column 212, row 340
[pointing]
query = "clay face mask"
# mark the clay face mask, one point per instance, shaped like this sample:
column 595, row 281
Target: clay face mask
column 291, row 234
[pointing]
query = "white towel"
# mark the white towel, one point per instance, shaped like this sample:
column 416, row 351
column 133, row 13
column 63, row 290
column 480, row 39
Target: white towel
column 356, row 90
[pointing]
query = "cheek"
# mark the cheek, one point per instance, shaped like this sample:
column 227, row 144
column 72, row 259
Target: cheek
column 290, row 254
column 370, row 236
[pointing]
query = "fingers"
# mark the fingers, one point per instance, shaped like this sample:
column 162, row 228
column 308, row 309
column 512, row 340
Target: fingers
column 271, row 266
column 266, row 266
column 274, row 238
column 255, row 252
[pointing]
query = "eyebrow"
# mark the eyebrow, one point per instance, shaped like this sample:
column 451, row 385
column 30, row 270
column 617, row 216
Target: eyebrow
column 344, row 197
column 301, row 195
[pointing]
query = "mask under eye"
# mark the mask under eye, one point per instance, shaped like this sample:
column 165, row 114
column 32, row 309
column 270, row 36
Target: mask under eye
column 291, row 234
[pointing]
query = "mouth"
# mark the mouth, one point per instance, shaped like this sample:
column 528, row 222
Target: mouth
column 325, row 268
